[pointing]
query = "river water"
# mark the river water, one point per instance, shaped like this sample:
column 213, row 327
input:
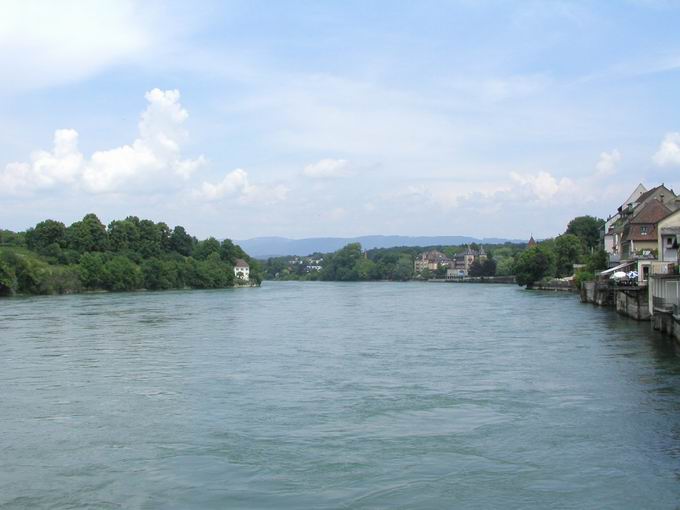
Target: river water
column 331, row 395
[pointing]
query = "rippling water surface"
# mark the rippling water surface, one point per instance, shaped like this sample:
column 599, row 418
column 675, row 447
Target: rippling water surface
column 327, row 395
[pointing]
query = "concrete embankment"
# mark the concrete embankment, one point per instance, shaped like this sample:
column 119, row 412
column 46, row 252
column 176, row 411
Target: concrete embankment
column 632, row 302
column 668, row 323
column 555, row 285
column 476, row 279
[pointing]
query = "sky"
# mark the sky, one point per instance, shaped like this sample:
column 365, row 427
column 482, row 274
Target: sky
column 300, row 119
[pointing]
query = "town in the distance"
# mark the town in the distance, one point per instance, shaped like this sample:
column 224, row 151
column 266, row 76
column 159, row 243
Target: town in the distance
column 629, row 260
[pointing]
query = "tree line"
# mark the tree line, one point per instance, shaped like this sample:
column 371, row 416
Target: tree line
column 555, row 258
column 550, row 258
column 127, row 254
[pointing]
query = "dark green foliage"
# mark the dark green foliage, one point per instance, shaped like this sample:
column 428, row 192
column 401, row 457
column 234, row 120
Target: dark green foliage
column 87, row 235
column 120, row 273
column 569, row 250
column 586, row 228
column 47, row 238
column 180, row 241
column 484, row 268
column 597, row 261
column 345, row 265
column 534, row 264
column 130, row 254
column 92, row 270
column 8, row 279
column 204, row 249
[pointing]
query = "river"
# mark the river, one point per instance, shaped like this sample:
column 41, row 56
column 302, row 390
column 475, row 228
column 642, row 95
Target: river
column 335, row 395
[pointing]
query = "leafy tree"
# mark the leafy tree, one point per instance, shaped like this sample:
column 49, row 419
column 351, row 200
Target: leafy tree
column 534, row 264
column 120, row 273
column 205, row 248
column 180, row 241
column 44, row 234
column 343, row 265
column 586, row 228
column 597, row 261
column 568, row 251
column 87, row 235
column 8, row 279
column 91, row 270
column 124, row 234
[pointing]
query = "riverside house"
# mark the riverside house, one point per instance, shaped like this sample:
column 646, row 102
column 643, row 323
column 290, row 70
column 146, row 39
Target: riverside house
column 242, row 269
column 623, row 240
column 432, row 260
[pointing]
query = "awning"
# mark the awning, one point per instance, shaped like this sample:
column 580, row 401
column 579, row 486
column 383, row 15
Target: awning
column 617, row 268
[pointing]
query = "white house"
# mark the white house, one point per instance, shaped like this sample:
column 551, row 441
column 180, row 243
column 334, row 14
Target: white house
column 242, row 269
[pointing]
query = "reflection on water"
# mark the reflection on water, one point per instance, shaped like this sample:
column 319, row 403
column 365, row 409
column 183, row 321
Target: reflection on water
column 323, row 395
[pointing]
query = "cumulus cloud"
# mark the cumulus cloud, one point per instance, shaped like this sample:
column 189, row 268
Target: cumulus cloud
column 542, row 186
column 236, row 185
column 327, row 168
column 150, row 159
column 62, row 165
column 607, row 163
column 669, row 150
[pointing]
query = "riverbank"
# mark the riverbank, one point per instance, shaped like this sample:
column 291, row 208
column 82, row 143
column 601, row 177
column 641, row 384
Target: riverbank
column 634, row 302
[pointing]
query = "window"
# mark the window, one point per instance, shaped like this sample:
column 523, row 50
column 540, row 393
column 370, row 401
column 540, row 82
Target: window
column 644, row 230
column 669, row 242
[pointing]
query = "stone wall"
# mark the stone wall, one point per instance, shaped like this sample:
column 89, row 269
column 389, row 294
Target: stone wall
column 598, row 293
column 633, row 302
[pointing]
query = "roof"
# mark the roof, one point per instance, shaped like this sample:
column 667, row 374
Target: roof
column 645, row 196
column 635, row 195
column 532, row 242
column 652, row 212
column 642, row 226
column 241, row 263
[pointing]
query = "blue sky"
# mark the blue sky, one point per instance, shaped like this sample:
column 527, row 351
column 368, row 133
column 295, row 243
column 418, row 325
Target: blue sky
column 300, row 119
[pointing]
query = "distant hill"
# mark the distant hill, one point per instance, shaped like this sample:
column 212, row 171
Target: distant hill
column 263, row 247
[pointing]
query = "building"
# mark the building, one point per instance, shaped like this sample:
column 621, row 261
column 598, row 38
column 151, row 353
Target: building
column 432, row 260
column 668, row 238
column 242, row 269
column 616, row 225
column 463, row 261
column 532, row 242
column 640, row 231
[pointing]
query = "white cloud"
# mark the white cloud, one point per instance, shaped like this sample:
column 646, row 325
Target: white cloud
column 669, row 150
column 236, row 185
column 48, row 43
column 151, row 159
column 607, row 163
column 46, row 169
column 327, row 168
column 542, row 186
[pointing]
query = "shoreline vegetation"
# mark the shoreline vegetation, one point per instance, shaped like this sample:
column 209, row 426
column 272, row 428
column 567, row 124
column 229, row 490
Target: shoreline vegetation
column 126, row 255
column 134, row 254
column 575, row 253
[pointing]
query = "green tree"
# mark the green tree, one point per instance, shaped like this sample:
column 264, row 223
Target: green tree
column 180, row 241
column 91, row 269
column 586, row 228
column 124, row 234
column 44, row 235
column 205, row 248
column 568, row 251
column 597, row 261
column 8, row 279
column 120, row 273
column 87, row 235
column 534, row 264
